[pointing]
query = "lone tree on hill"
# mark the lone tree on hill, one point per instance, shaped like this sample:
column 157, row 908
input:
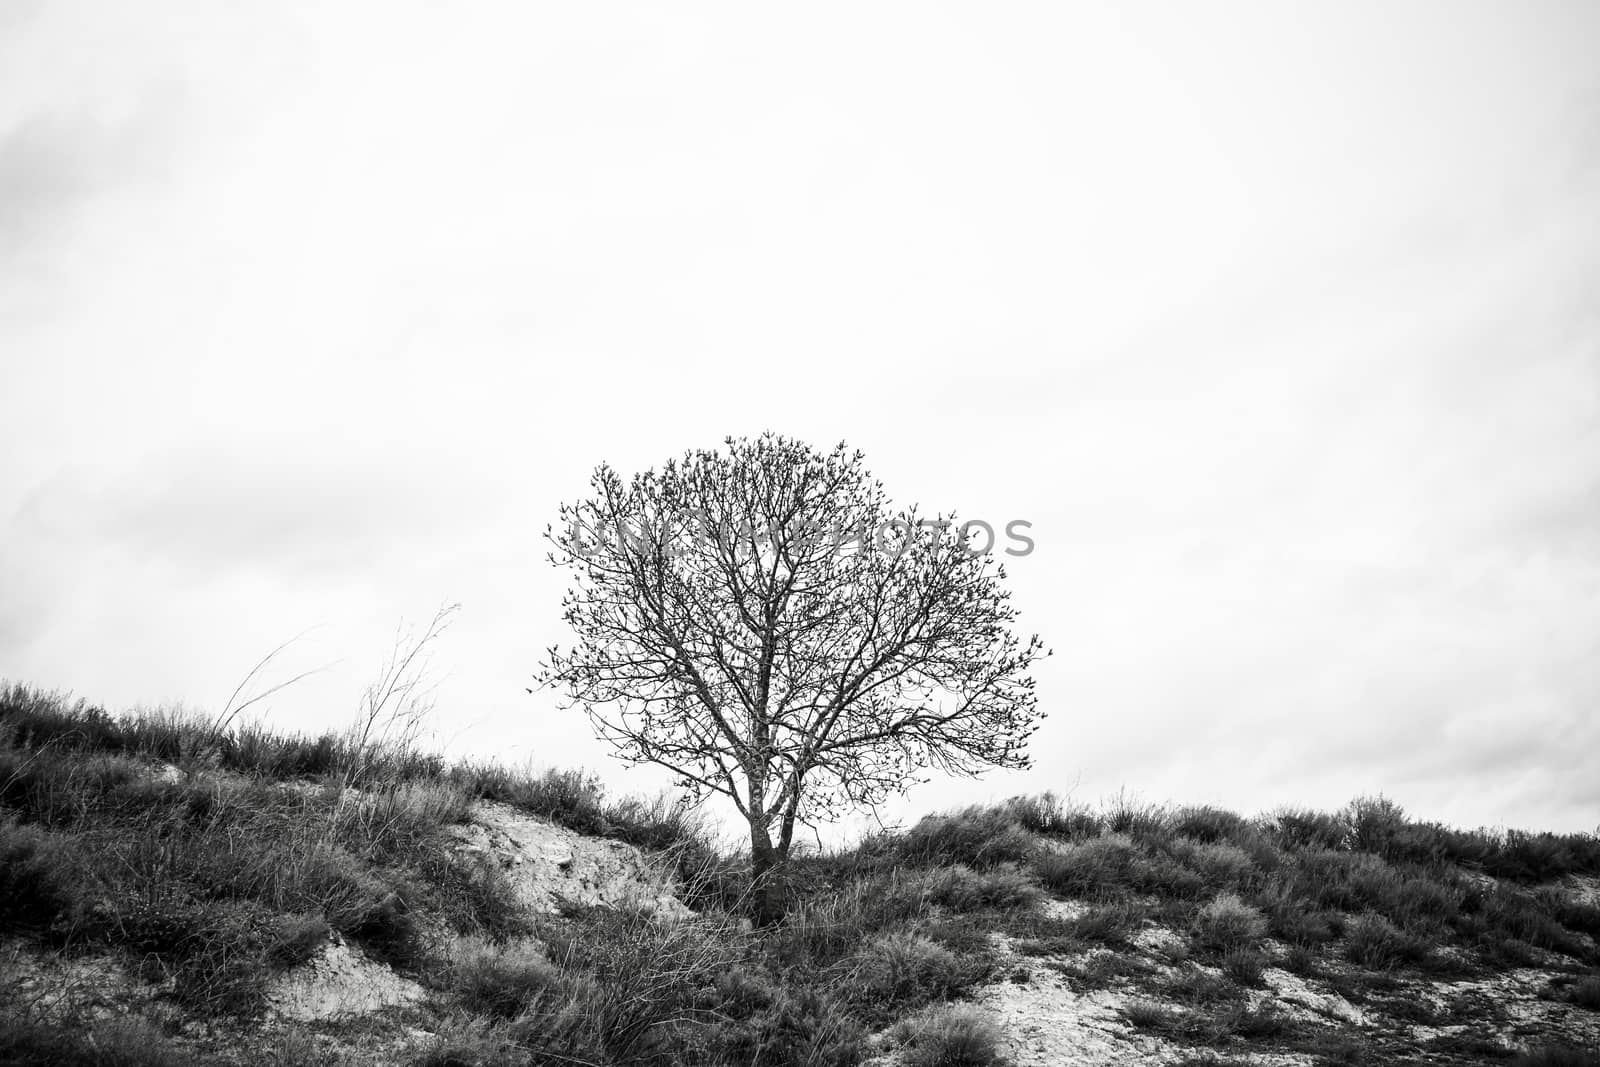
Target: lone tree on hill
column 757, row 621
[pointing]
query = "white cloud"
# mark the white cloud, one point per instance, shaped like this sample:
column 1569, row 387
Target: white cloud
column 1276, row 322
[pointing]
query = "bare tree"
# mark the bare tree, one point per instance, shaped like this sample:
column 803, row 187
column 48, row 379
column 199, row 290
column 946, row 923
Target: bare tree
column 757, row 621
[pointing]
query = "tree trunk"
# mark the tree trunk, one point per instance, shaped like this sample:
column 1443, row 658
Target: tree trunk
column 768, row 879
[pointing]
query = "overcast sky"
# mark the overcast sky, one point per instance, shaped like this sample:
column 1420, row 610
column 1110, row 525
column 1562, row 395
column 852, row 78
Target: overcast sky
column 1280, row 322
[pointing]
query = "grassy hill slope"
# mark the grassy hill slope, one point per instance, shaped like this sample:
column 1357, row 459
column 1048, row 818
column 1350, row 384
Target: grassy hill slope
column 175, row 894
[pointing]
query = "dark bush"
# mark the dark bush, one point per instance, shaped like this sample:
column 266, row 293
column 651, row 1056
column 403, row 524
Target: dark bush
column 298, row 939
column 1209, row 825
column 125, row 1042
column 502, row 982
column 1530, row 857
column 470, row 1043
column 1049, row 815
column 906, row 969
column 640, row 976
column 389, row 928
column 39, row 880
column 1500, row 915
column 1374, row 942
column 960, row 888
column 1227, row 923
column 1300, row 828
column 1557, row 1056
column 214, row 952
column 1298, row 923
column 1197, row 989
column 254, row 750
column 1252, row 1024
column 978, row 837
column 1245, row 965
column 781, row 1026
column 1098, row 865
column 1126, row 814
column 1586, row 994
column 1108, row 924
column 1168, row 877
column 1372, row 823
column 953, row 1035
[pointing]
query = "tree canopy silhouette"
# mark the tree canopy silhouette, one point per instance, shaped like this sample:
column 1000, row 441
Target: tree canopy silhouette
column 760, row 622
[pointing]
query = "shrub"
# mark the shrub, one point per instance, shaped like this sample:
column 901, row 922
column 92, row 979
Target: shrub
column 61, row 789
column 660, row 823
column 573, row 798
column 1529, row 857
column 215, row 953
column 1507, row 952
column 394, row 820
column 710, row 881
column 780, row 1025
column 1301, row 960
column 1209, row 825
column 299, row 938
column 1126, row 814
column 391, row 931
column 831, row 926
column 976, row 836
column 1252, row 1024
column 906, row 968
column 1217, row 863
column 1464, row 1044
column 962, row 889
column 38, row 718
column 1198, row 989
column 1228, row 923
column 1499, row 914
column 1301, row 828
column 38, row 879
column 1574, row 915
column 1586, row 994
column 469, row 1043
column 1147, row 1015
column 1050, row 816
column 500, row 982
column 1108, row 924
column 251, row 749
column 1245, row 965
column 1098, row 865
column 1358, row 881
column 638, row 976
column 950, row 1035
column 1426, row 900
column 1372, row 823
column 1377, row 944
column 1557, row 1056
column 1165, row 877
column 122, row 1042
column 489, row 903
column 1432, row 844
column 579, row 1021
column 1296, row 920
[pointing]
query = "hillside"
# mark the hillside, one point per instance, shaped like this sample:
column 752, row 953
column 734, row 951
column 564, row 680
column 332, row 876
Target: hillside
column 176, row 894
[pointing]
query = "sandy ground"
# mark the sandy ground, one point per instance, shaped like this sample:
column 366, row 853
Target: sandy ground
column 548, row 863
